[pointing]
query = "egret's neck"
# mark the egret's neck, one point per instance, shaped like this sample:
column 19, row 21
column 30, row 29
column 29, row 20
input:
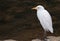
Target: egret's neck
column 39, row 11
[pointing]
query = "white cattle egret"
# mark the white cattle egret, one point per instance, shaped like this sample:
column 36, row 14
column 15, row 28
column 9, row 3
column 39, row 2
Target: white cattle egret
column 45, row 19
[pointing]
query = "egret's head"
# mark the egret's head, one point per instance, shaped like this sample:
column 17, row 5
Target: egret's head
column 38, row 7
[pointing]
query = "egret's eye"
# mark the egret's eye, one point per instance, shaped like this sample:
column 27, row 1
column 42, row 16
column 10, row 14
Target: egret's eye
column 38, row 7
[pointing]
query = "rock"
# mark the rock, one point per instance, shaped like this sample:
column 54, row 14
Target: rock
column 50, row 38
column 53, row 38
column 36, row 40
column 10, row 40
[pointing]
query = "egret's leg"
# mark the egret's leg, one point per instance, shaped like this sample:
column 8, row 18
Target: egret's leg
column 45, row 36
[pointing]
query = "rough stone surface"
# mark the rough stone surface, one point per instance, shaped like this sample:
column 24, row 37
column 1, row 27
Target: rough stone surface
column 9, row 40
column 50, row 38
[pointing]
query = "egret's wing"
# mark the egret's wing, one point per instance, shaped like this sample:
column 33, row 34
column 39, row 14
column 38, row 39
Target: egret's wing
column 46, row 21
column 47, row 18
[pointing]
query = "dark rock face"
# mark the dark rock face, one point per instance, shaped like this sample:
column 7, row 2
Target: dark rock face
column 16, row 16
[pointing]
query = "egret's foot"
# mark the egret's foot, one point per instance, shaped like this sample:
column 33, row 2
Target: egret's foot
column 45, row 39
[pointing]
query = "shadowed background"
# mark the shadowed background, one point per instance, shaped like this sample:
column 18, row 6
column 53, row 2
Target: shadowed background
column 19, row 21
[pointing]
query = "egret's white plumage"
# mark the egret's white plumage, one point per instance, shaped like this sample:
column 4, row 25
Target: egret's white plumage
column 44, row 18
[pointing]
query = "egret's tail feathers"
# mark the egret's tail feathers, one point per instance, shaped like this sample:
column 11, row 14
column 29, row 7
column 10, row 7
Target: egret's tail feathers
column 51, row 30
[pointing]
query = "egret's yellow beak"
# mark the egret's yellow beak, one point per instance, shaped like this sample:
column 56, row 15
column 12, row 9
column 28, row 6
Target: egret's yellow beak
column 34, row 8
